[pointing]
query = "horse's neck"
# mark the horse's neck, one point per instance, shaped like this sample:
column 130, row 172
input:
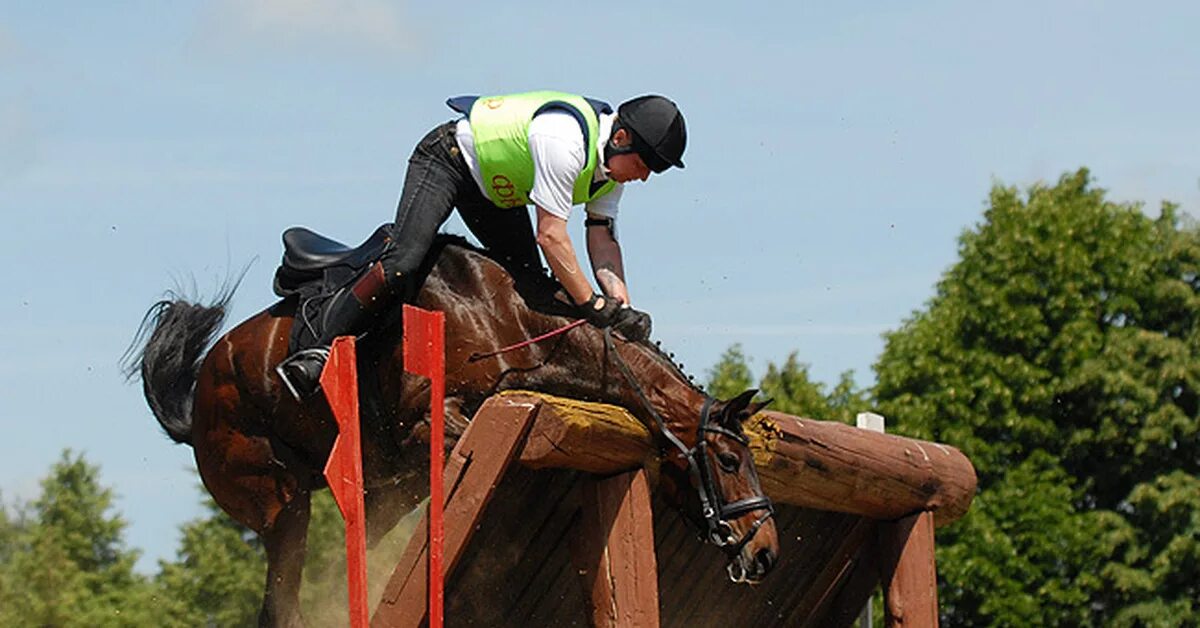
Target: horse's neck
column 657, row 384
column 573, row 370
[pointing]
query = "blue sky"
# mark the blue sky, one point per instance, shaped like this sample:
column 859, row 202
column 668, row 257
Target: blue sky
column 835, row 155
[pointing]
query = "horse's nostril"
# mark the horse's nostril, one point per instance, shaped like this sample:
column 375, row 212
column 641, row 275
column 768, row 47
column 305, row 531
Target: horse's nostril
column 765, row 559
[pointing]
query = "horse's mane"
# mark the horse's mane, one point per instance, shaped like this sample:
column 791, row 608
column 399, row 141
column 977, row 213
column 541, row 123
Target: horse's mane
column 537, row 287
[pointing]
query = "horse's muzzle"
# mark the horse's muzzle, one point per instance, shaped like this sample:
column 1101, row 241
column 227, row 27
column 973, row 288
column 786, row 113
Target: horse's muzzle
column 751, row 571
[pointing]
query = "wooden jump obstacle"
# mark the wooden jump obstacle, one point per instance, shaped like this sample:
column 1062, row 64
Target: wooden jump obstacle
column 856, row 510
column 614, row 548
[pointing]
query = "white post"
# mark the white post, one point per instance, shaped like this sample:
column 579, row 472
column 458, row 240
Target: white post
column 873, row 422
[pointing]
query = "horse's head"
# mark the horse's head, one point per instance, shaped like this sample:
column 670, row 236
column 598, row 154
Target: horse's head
column 716, row 486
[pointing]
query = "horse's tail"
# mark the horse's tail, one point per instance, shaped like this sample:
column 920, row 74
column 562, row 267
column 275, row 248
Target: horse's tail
column 179, row 335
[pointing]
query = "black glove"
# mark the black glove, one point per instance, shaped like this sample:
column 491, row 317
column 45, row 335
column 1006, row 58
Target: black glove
column 600, row 311
column 633, row 324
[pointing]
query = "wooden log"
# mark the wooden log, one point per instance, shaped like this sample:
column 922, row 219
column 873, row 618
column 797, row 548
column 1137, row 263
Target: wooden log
column 837, row 467
column 591, row 437
column 909, row 572
column 614, row 551
column 813, row 464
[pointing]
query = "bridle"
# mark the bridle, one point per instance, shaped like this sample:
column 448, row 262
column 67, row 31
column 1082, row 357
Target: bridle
column 714, row 510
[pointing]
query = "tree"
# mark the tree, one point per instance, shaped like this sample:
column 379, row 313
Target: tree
column 731, row 375
column 1060, row 353
column 11, row 530
column 66, row 564
column 789, row 387
column 217, row 577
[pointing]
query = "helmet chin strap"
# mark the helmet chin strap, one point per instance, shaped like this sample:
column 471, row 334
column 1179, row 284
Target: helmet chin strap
column 611, row 150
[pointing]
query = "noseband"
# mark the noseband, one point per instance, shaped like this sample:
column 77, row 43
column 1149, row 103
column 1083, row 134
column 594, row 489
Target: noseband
column 714, row 510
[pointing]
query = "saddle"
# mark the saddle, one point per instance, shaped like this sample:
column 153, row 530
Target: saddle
column 314, row 268
column 309, row 256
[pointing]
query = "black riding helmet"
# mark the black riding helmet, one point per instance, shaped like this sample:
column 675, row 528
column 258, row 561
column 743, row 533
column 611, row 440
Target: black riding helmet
column 659, row 134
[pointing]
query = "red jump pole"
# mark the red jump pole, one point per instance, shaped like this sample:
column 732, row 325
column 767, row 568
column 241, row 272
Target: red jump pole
column 343, row 470
column 425, row 354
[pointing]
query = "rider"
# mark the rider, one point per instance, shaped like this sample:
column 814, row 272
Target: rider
column 551, row 149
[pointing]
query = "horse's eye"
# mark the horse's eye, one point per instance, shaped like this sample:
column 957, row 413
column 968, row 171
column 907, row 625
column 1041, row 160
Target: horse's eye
column 728, row 461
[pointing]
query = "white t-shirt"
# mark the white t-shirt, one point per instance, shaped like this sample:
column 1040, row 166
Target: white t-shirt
column 556, row 145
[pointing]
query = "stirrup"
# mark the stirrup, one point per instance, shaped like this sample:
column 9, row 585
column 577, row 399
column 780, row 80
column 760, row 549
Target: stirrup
column 313, row 382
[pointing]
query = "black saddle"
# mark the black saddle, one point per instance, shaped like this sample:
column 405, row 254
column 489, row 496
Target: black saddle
column 307, row 250
column 309, row 256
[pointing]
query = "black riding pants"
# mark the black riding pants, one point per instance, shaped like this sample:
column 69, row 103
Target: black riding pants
column 437, row 181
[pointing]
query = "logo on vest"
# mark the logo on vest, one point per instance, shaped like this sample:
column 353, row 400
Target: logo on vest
column 493, row 103
column 505, row 192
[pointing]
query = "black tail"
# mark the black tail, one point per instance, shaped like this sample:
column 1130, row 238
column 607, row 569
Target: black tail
column 170, row 359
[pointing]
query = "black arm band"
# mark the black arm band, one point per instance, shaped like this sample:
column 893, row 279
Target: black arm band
column 598, row 222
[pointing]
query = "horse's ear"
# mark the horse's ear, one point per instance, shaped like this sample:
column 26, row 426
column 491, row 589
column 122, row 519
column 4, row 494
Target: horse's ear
column 740, row 402
column 743, row 406
column 755, row 408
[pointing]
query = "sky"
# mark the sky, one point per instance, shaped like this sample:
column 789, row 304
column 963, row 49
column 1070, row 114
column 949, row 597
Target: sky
column 835, row 154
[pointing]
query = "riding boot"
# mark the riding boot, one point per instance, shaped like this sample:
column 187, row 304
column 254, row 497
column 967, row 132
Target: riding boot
column 350, row 311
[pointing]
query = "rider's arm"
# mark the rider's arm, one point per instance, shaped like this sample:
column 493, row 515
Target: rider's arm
column 556, row 146
column 560, row 253
column 605, row 254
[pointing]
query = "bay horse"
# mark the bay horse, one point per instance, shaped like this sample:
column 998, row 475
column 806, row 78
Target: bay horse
column 260, row 452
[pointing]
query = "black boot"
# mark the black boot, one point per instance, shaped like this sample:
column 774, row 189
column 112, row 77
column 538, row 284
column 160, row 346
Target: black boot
column 350, row 311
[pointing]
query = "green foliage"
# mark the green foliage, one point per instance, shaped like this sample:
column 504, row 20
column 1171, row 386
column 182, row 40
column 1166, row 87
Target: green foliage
column 1060, row 353
column 1024, row 555
column 217, row 577
column 794, row 392
column 789, row 386
column 730, row 376
column 65, row 561
column 11, row 531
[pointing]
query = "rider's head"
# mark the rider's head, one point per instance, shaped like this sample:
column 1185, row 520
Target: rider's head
column 648, row 135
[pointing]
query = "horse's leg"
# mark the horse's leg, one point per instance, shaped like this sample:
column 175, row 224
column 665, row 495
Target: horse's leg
column 258, row 481
column 286, row 543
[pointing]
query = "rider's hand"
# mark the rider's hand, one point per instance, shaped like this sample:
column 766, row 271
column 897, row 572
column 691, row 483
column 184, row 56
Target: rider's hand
column 600, row 311
column 633, row 324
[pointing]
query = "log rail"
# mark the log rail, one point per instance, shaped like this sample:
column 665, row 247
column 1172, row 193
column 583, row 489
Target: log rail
column 814, row 464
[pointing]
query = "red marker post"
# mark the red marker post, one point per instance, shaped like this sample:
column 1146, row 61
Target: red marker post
column 425, row 355
column 343, row 470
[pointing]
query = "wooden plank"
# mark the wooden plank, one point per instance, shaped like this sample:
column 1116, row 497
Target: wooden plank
column 475, row 468
column 909, row 572
column 855, row 593
column 820, row 592
column 615, row 551
column 517, row 570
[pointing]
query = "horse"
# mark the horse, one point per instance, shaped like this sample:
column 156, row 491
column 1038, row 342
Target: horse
column 260, row 452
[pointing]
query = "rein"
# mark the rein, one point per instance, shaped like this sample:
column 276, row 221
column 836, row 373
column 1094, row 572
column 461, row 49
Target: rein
column 475, row 357
column 715, row 511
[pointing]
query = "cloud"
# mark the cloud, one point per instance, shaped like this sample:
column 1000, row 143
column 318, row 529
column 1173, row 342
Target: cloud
column 356, row 25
